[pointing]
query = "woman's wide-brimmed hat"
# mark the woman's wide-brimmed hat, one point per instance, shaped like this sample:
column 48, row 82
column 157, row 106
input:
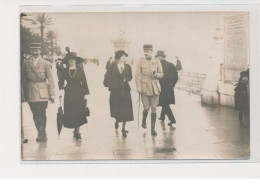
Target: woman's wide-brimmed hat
column 119, row 54
column 244, row 73
column 72, row 55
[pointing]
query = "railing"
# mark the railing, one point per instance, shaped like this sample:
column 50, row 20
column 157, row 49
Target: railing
column 190, row 82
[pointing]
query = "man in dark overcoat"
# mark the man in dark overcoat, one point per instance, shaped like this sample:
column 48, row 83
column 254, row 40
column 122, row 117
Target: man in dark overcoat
column 167, row 83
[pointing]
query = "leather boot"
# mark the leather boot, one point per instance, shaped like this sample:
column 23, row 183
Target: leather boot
column 153, row 120
column 44, row 136
column 145, row 113
column 39, row 138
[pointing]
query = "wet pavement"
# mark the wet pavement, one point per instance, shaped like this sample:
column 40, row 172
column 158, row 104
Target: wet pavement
column 201, row 132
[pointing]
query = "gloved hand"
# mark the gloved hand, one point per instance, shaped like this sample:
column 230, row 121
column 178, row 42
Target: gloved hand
column 139, row 91
column 85, row 98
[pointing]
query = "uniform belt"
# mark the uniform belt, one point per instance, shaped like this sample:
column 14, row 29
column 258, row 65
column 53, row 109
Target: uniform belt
column 37, row 80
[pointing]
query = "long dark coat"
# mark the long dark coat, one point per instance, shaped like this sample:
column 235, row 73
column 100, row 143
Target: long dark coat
column 241, row 97
column 168, row 82
column 121, row 107
column 74, row 103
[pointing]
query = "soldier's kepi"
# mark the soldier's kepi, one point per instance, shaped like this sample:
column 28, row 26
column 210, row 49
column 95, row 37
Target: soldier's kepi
column 148, row 73
column 37, row 88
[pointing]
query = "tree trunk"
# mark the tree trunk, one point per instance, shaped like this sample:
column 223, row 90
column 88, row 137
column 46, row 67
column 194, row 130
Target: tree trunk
column 42, row 39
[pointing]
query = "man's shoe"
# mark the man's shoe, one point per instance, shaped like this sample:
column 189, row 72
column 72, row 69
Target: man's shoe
column 153, row 132
column 172, row 122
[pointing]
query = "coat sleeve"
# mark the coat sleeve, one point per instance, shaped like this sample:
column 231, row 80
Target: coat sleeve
column 138, row 76
column 107, row 78
column 84, row 83
column 174, row 75
column 50, row 79
column 159, row 73
column 129, row 76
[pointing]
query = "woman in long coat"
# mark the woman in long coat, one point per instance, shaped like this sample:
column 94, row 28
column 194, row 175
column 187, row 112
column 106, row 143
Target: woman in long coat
column 116, row 79
column 75, row 98
column 242, row 98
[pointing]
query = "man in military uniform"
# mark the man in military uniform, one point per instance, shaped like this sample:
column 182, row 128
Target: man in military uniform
column 37, row 88
column 148, row 73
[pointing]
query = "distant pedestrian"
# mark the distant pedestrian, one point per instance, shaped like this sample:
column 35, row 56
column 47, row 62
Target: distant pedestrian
column 109, row 63
column 168, row 81
column 75, row 95
column 59, row 67
column 242, row 99
column 178, row 64
column 38, row 88
column 148, row 72
column 117, row 79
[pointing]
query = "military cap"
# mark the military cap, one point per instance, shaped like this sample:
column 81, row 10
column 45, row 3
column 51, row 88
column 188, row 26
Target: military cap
column 148, row 46
column 35, row 46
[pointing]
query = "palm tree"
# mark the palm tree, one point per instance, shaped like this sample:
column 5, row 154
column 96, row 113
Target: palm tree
column 43, row 20
column 52, row 38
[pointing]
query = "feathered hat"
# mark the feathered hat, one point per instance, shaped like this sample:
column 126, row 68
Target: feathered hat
column 72, row 55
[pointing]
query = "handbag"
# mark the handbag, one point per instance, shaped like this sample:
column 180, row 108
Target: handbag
column 86, row 110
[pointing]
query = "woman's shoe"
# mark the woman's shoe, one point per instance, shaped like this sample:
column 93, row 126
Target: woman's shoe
column 77, row 135
column 124, row 132
column 116, row 125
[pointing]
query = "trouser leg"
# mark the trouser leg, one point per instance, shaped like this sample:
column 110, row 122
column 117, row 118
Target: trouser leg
column 42, row 106
column 35, row 112
column 162, row 116
column 169, row 113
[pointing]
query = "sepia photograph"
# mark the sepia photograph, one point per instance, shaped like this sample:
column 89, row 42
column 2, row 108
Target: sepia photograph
column 117, row 86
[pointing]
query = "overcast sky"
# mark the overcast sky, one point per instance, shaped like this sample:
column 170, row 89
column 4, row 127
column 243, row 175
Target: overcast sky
column 187, row 35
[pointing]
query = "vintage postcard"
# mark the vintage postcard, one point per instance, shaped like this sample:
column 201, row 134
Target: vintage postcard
column 135, row 85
